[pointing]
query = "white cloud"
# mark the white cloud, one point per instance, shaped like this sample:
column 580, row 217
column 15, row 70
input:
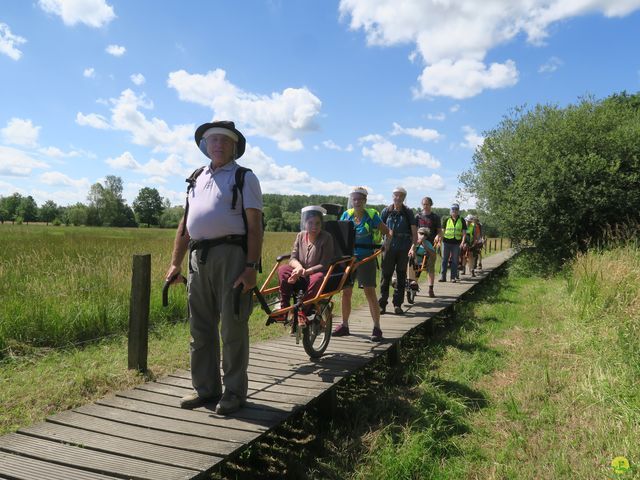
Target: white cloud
column 137, row 78
column 454, row 108
column 432, row 182
column 55, row 152
column 9, row 42
column 436, row 116
column 424, row 134
column 89, row 72
column 286, row 179
column 465, row 78
column 551, row 65
column 124, row 161
column 282, row 117
column 383, row 152
column 93, row 13
column 477, row 28
column 20, row 132
column 92, row 120
column 472, row 139
column 115, row 50
column 172, row 166
column 17, row 163
column 60, row 179
column 331, row 145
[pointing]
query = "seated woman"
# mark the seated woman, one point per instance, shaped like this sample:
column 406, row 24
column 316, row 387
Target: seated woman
column 311, row 254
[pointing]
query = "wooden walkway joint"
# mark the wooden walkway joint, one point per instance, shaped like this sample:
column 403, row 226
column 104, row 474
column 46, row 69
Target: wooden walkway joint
column 143, row 434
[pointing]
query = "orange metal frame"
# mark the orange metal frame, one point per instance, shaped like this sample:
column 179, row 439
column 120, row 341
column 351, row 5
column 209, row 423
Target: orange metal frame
column 351, row 266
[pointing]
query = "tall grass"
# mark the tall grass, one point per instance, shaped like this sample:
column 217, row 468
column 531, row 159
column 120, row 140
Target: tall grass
column 64, row 285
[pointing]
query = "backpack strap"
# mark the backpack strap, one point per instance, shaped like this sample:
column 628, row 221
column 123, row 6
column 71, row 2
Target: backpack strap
column 191, row 183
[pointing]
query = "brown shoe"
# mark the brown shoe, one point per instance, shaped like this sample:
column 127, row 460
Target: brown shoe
column 229, row 403
column 193, row 400
column 431, row 294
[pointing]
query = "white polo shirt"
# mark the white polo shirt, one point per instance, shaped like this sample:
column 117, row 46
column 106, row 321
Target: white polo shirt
column 210, row 214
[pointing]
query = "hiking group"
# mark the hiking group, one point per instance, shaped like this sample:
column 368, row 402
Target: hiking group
column 222, row 230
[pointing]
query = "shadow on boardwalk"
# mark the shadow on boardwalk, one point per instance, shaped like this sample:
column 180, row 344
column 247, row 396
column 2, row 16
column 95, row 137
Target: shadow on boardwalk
column 380, row 400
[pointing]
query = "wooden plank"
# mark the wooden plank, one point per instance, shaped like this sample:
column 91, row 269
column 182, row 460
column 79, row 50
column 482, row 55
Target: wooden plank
column 18, row 467
column 91, row 460
column 145, row 434
column 121, row 446
column 258, row 419
column 230, row 424
column 168, row 424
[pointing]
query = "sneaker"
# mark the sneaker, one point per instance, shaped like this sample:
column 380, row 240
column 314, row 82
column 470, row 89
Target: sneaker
column 341, row 331
column 473, row 273
column 398, row 311
column 454, row 280
column 229, row 403
column 442, row 279
column 431, row 294
column 376, row 335
column 193, row 400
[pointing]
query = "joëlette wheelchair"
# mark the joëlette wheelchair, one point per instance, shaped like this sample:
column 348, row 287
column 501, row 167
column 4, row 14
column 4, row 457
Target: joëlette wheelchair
column 315, row 329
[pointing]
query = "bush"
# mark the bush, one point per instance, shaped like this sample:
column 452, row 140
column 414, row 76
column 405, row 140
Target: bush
column 560, row 177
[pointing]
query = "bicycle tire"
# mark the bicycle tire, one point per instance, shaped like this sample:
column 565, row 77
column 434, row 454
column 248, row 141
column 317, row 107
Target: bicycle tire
column 317, row 333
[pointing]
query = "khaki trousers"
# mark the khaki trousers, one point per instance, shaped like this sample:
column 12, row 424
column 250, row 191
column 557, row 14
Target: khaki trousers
column 212, row 318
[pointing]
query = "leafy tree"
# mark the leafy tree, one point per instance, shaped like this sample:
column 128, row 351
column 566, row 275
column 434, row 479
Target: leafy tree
column 28, row 209
column 76, row 215
column 171, row 216
column 148, row 206
column 10, row 206
column 48, row 211
column 106, row 205
column 561, row 177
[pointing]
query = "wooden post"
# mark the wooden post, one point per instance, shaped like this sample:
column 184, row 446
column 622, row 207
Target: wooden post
column 500, row 243
column 139, row 312
column 489, row 245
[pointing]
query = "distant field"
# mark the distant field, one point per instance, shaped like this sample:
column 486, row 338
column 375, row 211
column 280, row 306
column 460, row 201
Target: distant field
column 63, row 285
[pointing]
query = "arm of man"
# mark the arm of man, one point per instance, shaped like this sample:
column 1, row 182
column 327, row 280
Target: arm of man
column 180, row 245
column 414, row 240
column 248, row 277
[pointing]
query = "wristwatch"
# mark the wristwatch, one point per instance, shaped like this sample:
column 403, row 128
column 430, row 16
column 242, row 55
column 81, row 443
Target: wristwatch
column 254, row 265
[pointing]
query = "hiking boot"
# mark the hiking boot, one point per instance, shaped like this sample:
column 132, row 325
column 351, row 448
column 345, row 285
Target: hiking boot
column 341, row 331
column 229, row 403
column 431, row 294
column 398, row 310
column 442, row 279
column 473, row 273
column 193, row 400
column 376, row 335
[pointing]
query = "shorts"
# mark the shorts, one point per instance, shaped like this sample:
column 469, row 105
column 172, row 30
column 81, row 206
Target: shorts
column 365, row 274
column 431, row 264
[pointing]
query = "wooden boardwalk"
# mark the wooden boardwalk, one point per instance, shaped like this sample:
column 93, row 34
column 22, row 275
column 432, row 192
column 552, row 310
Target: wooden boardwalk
column 143, row 434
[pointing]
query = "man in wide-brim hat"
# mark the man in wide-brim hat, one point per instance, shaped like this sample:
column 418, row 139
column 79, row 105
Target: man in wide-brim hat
column 222, row 229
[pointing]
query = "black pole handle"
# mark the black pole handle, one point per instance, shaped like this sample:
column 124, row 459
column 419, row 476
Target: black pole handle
column 167, row 284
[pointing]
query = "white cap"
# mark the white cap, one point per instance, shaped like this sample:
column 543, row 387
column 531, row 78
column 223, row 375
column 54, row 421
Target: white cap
column 360, row 190
column 400, row 190
column 314, row 208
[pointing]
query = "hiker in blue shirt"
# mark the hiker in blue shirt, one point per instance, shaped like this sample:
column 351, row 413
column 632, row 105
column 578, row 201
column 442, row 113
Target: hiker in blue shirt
column 400, row 244
column 368, row 226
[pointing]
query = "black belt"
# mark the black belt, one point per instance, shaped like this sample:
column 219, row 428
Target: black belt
column 205, row 245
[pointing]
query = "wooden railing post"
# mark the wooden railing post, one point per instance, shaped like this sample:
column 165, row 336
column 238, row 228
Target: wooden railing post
column 500, row 243
column 139, row 312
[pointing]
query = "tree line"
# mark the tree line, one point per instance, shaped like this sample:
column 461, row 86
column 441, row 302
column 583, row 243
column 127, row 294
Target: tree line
column 106, row 207
column 563, row 178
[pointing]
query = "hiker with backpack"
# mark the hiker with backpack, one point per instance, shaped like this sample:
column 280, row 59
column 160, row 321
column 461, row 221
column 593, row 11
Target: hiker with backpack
column 431, row 221
column 399, row 245
column 222, row 230
column 454, row 235
column 369, row 229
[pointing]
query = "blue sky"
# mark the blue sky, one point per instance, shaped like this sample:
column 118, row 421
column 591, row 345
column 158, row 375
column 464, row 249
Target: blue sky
column 330, row 94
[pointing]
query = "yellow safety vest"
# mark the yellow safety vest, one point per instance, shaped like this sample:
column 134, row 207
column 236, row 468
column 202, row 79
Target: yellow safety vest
column 453, row 230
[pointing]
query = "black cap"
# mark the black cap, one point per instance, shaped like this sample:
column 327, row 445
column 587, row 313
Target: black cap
column 242, row 142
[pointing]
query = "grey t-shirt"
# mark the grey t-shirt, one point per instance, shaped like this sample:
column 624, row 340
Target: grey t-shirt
column 210, row 214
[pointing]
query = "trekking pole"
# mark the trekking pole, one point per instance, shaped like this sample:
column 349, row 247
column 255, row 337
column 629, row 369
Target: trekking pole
column 167, row 284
